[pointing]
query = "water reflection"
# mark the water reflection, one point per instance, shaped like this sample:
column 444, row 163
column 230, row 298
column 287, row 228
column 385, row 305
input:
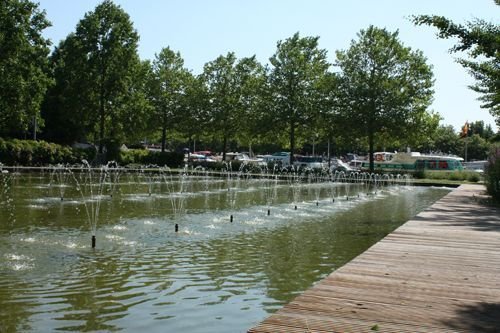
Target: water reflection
column 213, row 276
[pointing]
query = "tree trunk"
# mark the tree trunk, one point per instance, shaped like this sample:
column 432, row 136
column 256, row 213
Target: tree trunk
column 292, row 141
column 163, row 138
column 102, row 113
column 102, row 106
column 329, row 156
column 224, row 148
column 371, row 144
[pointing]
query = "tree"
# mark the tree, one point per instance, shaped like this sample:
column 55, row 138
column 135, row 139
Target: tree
column 194, row 118
column 229, row 94
column 23, row 66
column 298, row 72
column 482, row 41
column 65, row 109
column 137, row 113
column 252, row 102
column 446, row 140
column 477, row 148
column 478, row 127
column 99, row 68
column 384, row 87
column 167, row 90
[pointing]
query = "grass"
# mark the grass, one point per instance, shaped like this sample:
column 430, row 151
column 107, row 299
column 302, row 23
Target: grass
column 455, row 176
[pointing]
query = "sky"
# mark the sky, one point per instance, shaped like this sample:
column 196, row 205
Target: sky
column 201, row 30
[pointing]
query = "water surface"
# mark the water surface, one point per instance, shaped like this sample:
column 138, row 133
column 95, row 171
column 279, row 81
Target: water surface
column 211, row 276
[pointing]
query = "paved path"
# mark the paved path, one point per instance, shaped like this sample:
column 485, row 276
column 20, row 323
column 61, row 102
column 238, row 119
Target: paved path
column 439, row 272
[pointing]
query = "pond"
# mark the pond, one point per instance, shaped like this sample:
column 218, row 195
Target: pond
column 213, row 275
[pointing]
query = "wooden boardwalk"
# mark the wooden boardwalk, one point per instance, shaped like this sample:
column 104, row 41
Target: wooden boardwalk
column 439, row 272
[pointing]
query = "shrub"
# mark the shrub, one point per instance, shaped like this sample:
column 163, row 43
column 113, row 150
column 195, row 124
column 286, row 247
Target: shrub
column 473, row 177
column 463, row 175
column 133, row 156
column 457, row 175
column 419, row 174
column 39, row 153
column 142, row 156
column 170, row 159
column 492, row 174
column 112, row 150
column 81, row 154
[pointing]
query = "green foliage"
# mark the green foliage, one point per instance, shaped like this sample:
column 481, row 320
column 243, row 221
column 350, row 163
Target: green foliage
column 64, row 109
column 482, row 40
column 40, row 153
column 133, row 156
column 463, row 175
column 384, row 87
column 445, row 140
column 492, row 174
column 419, row 174
column 112, row 150
column 479, row 128
column 144, row 157
column 23, row 65
column 477, row 148
column 195, row 116
column 230, row 90
column 99, row 77
column 297, row 87
column 473, row 177
column 170, row 159
column 167, row 88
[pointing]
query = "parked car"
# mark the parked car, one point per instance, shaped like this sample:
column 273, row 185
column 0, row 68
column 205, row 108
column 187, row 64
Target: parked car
column 477, row 166
column 201, row 158
column 209, row 157
column 352, row 157
column 356, row 164
column 310, row 162
column 244, row 158
column 283, row 158
column 338, row 165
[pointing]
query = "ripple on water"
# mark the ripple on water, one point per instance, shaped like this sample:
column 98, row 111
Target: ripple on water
column 255, row 221
column 19, row 262
column 171, row 282
column 120, row 227
column 138, row 197
column 32, row 206
column 120, row 240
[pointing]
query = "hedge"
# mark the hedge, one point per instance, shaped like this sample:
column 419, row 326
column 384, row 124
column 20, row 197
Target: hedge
column 143, row 156
column 40, row 153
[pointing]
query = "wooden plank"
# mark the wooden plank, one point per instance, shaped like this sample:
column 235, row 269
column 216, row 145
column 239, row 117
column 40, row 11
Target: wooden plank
column 439, row 272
